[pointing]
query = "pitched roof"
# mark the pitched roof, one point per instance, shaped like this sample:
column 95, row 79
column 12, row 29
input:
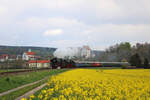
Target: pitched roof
column 30, row 53
column 39, row 61
column 32, row 61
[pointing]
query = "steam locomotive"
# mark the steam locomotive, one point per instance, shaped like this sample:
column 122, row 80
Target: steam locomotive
column 62, row 63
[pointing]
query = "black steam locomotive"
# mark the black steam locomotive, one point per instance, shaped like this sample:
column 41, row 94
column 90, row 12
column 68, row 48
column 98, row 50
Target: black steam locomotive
column 62, row 63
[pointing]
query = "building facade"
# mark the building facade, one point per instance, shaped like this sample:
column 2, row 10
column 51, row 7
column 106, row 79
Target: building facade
column 39, row 64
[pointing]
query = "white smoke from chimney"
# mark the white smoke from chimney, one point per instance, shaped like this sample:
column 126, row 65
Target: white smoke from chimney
column 66, row 52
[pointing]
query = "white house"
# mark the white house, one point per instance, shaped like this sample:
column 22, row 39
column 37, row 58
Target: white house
column 28, row 55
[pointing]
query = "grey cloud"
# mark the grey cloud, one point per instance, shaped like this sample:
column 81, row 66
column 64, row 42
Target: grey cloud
column 93, row 22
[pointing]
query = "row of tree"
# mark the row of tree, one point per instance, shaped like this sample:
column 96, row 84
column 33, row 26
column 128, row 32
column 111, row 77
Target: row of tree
column 137, row 55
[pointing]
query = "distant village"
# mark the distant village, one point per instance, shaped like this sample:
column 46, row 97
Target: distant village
column 29, row 58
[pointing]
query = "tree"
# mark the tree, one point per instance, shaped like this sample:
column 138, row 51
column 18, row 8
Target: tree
column 146, row 63
column 135, row 60
column 118, row 52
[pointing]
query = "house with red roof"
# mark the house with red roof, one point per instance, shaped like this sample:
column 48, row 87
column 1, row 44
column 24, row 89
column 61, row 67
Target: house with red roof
column 4, row 57
column 28, row 55
column 39, row 64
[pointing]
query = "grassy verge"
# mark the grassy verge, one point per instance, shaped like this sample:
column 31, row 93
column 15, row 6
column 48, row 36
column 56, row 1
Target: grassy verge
column 7, row 83
column 11, row 70
column 13, row 95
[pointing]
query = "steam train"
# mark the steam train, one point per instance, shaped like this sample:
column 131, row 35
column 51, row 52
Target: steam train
column 62, row 63
column 67, row 63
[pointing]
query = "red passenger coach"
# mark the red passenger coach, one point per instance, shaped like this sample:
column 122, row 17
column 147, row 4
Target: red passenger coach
column 96, row 64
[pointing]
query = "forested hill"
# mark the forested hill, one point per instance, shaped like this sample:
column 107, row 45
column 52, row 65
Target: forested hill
column 18, row 50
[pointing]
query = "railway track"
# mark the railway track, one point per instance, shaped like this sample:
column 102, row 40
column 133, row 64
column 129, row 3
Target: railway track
column 21, row 71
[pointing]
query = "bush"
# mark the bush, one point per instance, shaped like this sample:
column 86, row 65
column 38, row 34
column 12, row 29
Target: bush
column 7, row 79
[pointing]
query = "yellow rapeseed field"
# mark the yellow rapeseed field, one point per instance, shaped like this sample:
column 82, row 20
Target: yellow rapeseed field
column 96, row 84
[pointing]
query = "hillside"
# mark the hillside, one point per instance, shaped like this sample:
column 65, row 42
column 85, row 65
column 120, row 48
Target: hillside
column 18, row 50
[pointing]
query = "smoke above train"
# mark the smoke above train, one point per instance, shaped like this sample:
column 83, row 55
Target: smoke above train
column 65, row 52
column 72, row 52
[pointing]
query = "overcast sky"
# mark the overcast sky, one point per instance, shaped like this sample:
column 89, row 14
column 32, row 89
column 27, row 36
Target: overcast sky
column 72, row 23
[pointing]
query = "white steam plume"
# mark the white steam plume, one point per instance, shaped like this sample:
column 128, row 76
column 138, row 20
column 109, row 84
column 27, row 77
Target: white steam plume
column 66, row 52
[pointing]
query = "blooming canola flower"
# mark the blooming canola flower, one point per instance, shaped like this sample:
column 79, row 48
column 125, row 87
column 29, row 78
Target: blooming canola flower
column 95, row 84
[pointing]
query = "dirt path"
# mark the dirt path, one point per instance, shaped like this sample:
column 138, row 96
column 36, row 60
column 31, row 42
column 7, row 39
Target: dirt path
column 26, row 95
column 15, row 89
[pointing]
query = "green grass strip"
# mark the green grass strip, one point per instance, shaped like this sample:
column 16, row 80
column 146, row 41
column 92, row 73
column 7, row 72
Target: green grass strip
column 11, row 70
column 13, row 95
